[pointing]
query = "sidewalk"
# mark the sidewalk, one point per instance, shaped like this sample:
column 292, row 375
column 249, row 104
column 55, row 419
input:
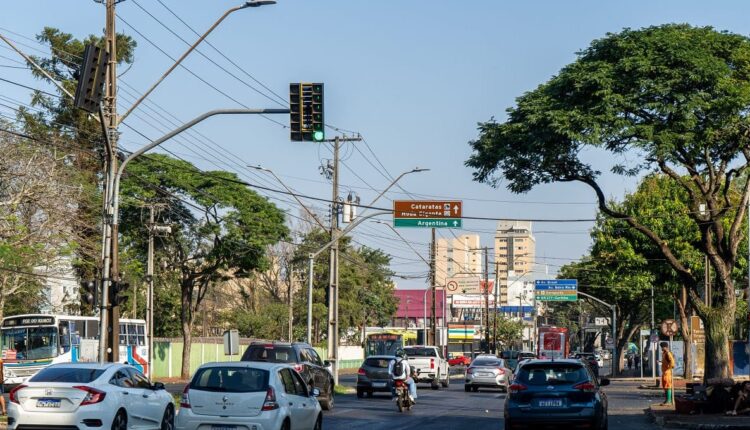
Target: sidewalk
column 665, row 416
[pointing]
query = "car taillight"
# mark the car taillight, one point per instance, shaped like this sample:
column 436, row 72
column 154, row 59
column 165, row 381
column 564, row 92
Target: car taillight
column 93, row 396
column 361, row 371
column 298, row 367
column 432, row 363
column 270, row 403
column 14, row 393
column 586, row 387
column 517, row 388
column 501, row 371
column 185, row 399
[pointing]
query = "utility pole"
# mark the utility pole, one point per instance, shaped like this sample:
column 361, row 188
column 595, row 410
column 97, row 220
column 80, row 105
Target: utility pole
column 433, row 282
column 487, row 299
column 333, row 277
column 153, row 230
column 290, row 293
column 494, row 313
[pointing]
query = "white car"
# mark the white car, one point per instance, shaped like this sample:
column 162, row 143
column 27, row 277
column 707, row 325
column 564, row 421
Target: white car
column 90, row 395
column 249, row 395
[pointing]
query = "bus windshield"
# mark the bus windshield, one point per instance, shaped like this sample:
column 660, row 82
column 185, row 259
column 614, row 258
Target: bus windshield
column 31, row 343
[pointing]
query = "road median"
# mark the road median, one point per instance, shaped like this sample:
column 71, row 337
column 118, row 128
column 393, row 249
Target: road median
column 667, row 417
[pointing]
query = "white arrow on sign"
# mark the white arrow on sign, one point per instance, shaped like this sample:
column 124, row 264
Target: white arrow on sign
column 455, row 209
column 455, row 223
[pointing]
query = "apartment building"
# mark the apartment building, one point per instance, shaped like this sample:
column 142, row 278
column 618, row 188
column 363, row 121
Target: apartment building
column 515, row 252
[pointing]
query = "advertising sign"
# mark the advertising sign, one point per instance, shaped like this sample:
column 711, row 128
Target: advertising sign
column 471, row 301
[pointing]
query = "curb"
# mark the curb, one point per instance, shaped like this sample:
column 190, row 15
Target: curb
column 669, row 423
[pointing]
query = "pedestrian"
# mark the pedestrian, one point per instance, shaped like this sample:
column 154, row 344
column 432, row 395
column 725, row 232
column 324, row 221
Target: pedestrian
column 742, row 403
column 667, row 364
column 630, row 361
column 2, row 382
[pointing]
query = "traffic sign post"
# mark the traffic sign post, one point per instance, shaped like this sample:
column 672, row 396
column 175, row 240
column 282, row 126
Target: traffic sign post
column 556, row 290
column 427, row 213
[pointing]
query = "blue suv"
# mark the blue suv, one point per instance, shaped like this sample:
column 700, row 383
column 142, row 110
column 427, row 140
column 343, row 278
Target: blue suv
column 555, row 392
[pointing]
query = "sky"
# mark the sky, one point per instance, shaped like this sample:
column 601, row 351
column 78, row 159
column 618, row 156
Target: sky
column 412, row 77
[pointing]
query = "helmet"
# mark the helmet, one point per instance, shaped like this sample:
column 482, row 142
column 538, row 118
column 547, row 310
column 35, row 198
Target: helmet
column 400, row 353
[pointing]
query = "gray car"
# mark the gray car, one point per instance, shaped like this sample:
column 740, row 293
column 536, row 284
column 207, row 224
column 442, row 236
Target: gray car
column 374, row 376
column 487, row 372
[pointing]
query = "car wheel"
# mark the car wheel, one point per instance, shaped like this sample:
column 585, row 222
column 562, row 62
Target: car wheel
column 121, row 421
column 467, row 388
column 507, row 424
column 319, row 423
column 435, row 385
column 327, row 403
column 285, row 425
column 360, row 394
column 475, row 389
column 447, row 382
column 167, row 421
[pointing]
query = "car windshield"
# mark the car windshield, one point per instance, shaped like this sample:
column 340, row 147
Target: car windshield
column 381, row 363
column 230, row 380
column 551, row 374
column 420, row 352
column 273, row 353
column 67, row 374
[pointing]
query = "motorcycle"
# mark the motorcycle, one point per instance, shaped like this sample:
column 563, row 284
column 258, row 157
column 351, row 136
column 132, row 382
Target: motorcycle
column 402, row 396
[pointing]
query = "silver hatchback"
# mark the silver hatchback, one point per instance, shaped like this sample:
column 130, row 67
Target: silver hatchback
column 488, row 372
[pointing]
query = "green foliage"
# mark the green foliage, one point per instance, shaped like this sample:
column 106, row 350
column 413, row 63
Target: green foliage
column 509, row 331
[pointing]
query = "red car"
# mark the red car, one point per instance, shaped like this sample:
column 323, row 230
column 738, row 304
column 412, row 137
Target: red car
column 460, row 360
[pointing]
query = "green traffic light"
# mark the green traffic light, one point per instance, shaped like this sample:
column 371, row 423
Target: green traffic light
column 318, row 136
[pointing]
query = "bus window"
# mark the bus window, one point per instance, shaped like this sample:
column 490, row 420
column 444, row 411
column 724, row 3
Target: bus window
column 92, row 330
column 123, row 334
column 15, row 340
column 141, row 335
column 132, row 335
column 64, row 333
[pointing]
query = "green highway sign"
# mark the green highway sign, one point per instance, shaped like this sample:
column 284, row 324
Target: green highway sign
column 428, row 222
column 556, row 290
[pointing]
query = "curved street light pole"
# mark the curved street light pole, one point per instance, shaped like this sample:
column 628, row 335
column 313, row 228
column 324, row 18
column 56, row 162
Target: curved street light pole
column 113, row 210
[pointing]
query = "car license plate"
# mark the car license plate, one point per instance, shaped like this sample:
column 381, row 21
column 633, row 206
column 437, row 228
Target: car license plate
column 551, row 403
column 378, row 384
column 48, row 403
column 484, row 375
column 215, row 427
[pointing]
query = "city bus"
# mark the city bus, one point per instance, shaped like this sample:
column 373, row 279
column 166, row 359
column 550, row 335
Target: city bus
column 31, row 342
column 386, row 342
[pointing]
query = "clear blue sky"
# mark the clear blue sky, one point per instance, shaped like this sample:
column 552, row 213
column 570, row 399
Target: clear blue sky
column 414, row 77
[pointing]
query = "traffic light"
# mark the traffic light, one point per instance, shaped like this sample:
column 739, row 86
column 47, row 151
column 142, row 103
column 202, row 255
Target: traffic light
column 318, row 131
column 89, row 292
column 306, row 118
column 91, row 79
column 117, row 292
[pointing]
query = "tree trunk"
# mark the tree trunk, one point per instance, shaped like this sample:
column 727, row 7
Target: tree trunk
column 718, row 324
column 687, row 338
column 186, row 318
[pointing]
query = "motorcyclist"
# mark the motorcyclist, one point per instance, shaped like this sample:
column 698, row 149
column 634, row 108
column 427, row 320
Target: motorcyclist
column 405, row 375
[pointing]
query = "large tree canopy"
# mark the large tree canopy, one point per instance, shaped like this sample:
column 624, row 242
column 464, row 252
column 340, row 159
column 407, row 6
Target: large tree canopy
column 673, row 98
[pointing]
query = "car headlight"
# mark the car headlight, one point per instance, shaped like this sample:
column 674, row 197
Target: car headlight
column 7, row 373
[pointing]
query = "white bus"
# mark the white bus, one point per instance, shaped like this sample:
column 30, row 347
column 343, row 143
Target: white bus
column 34, row 341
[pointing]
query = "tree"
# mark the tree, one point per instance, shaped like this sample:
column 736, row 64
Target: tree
column 220, row 228
column 37, row 202
column 672, row 97
column 509, row 332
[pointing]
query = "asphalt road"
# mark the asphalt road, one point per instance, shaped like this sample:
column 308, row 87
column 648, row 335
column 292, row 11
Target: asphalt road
column 453, row 408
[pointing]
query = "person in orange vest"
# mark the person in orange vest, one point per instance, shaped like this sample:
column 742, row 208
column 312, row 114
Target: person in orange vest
column 667, row 364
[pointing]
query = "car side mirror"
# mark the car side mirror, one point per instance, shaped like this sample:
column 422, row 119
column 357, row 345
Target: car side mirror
column 327, row 363
column 315, row 392
column 158, row 386
column 604, row 382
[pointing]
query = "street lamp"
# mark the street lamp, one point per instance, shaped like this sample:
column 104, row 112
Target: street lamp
column 333, row 332
column 247, row 4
